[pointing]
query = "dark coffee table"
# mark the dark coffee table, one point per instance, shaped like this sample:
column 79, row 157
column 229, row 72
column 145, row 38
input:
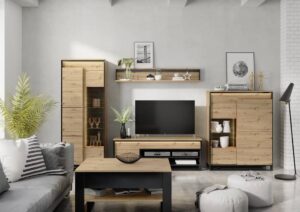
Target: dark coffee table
column 111, row 173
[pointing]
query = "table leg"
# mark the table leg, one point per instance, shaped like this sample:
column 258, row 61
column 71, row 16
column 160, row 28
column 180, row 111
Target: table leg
column 167, row 192
column 79, row 192
column 89, row 206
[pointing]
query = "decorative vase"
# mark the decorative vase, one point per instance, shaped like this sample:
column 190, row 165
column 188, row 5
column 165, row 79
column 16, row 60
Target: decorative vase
column 219, row 128
column 251, row 81
column 224, row 141
column 128, row 73
column 123, row 131
column 226, row 126
column 261, row 77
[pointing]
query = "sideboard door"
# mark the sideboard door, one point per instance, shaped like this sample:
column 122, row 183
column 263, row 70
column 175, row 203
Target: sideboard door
column 254, row 132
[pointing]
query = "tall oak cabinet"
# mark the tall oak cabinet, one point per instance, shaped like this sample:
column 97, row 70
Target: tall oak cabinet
column 250, row 116
column 83, row 107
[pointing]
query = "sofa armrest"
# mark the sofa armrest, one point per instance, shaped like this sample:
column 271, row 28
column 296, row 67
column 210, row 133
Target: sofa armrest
column 69, row 161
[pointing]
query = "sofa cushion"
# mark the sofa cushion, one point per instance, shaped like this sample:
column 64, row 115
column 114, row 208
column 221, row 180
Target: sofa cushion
column 22, row 158
column 54, row 156
column 4, row 186
column 33, row 194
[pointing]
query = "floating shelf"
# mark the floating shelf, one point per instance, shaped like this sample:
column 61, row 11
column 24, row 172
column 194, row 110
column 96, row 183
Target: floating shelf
column 140, row 75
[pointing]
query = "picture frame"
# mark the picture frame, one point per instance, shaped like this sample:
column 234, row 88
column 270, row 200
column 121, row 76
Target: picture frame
column 144, row 54
column 240, row 67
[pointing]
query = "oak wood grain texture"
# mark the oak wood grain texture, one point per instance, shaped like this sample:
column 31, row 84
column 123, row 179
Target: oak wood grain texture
column 78, row 149
column 93, row 151
column 224, row 104
column 253, row 135
column 72, row 121
column 254, row 156
column 77, row 75
column 223, row 156
column 72, row 87
column 72, row 130
column 224, row 110
column 111, row 197
column 113, row 165
column 100, row 64
column 94, row 77
column 160, row 138
column 254, row 139
column 243, row 94
column 254, row 115
column 167, row 74
column 134, row 147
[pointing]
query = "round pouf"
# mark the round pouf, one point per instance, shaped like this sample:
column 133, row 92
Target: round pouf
column 259, row 192
column 228, row 200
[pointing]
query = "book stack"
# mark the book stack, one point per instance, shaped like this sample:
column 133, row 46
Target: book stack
column 236, row 87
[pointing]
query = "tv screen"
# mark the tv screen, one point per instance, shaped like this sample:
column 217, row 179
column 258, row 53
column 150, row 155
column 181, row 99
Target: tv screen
column 165, row 117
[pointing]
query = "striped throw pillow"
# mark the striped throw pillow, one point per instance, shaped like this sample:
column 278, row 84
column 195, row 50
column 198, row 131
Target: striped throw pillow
column 35, row 164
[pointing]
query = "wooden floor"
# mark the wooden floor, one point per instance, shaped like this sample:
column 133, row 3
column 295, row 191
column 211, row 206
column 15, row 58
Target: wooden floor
column 186, row 183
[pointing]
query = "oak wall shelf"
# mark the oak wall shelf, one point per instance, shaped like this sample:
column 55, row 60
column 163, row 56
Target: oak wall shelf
column 140, row 75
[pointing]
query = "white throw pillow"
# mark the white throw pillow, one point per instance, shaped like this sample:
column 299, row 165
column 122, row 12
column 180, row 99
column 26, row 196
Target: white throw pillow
column 21, row 158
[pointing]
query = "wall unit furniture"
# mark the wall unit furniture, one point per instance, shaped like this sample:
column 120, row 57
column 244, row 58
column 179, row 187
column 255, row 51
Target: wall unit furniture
column 174, row 148
column 83, row 108
column 111, row 173
column 140, row 75
column 251, row 136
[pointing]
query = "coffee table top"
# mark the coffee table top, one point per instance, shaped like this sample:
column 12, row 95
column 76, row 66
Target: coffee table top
column 109, row 165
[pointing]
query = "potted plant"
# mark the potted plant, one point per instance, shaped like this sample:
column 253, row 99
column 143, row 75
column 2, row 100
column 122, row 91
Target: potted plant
column 128, row 63
column 122, row 117
column 24, row 113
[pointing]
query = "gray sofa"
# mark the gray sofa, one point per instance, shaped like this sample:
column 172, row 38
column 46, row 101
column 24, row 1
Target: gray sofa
column 39, row 194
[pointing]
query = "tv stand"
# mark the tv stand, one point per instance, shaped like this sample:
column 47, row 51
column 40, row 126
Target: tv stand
column 175, row 148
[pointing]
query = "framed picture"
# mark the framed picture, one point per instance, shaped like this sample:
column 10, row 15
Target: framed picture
column 143, row 54
column 240, row 67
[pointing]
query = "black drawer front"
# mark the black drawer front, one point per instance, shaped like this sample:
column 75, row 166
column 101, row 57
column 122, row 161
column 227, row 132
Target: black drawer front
column 157, row 154
column 185, row 154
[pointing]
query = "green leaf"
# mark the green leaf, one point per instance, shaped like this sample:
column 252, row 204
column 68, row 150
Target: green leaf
column 24, row 112
column 122, row 117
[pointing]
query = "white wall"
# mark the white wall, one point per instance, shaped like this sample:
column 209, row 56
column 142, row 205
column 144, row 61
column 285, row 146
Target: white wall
column 2, row 60
column 196, row 36
column 10, row 50
column 13, row 46
column 290, row 67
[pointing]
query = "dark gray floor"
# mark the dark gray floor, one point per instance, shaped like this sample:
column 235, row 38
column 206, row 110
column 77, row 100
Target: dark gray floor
column 186, row 183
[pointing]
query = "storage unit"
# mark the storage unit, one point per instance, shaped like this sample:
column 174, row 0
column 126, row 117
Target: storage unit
column 83, row 107
column 174, row 148
column 250, row 115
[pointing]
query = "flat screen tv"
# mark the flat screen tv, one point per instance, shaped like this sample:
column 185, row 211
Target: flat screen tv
column 164, row 117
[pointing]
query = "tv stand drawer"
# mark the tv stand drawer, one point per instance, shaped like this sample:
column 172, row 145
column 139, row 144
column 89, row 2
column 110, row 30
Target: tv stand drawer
column 135, row 146
column 185, row 154
column 157, row 154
